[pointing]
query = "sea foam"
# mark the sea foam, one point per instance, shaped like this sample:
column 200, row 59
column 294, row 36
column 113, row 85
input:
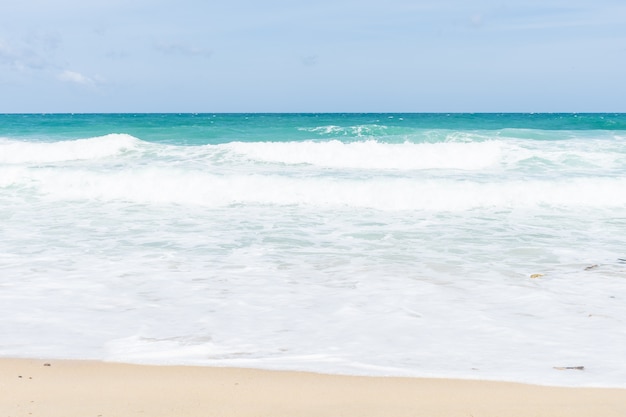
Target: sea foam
column 176, row 186
column 20, row 152
column 371, row 154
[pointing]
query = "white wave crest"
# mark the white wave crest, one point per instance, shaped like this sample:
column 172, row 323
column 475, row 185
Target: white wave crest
column 358, row 131
column 18, row 152
column 374, row 155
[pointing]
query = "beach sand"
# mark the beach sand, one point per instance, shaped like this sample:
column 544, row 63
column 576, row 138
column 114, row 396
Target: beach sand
column 50, row 388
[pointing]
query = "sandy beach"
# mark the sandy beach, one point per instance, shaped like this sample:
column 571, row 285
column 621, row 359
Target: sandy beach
column 51, row 388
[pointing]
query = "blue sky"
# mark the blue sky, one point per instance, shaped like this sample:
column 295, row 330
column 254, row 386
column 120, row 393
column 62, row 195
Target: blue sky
column 322, row 56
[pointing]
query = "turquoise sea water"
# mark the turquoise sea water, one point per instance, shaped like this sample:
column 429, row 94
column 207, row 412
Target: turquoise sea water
column 379, row 244
column 203, row 129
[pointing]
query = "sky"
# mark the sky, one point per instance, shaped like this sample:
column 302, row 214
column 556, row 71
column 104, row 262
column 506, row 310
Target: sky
column 88, row 56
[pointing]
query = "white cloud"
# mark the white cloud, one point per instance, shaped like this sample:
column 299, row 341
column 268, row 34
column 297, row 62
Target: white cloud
column 76, row 77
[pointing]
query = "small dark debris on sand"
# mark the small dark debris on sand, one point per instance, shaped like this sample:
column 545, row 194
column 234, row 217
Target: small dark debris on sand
column 566, row 368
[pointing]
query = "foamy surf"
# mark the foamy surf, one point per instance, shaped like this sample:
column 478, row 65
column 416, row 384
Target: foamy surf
column 176, row 186
column 371, row 154
column 331, row 243
column 23, row 152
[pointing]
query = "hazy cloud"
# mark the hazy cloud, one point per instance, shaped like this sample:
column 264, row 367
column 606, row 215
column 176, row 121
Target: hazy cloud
column 309, row 61
column 44, row 41
column 6, row 54
column 21, row 58
column 117, row 55
column 177, row 48
column 476, row 20
column 76, row 78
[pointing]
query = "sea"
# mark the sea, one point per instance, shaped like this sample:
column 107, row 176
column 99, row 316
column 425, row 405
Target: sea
column 475, row 246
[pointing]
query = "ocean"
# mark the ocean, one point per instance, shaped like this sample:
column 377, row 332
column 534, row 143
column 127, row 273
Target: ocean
column 484, row 246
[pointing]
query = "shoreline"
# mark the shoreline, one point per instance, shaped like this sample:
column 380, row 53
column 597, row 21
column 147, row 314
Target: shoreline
column 38, row 387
